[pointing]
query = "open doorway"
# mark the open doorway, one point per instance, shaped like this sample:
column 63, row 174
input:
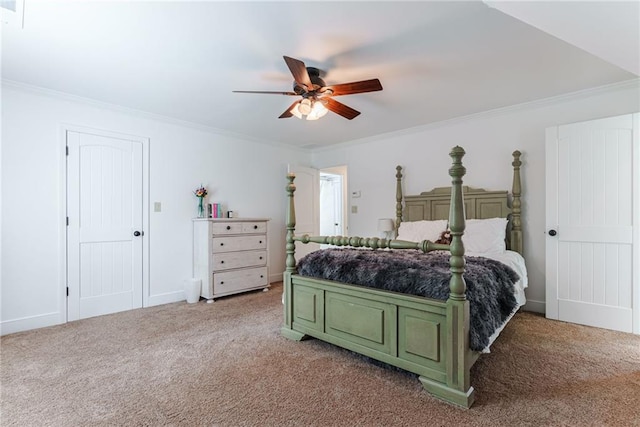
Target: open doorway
column 333, row 191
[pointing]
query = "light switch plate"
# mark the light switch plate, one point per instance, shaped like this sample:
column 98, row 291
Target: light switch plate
column 157, row 207
column 354, row 209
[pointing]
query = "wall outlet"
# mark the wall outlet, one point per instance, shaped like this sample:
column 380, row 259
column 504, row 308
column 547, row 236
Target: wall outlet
column 354, row 209
column 157, row 207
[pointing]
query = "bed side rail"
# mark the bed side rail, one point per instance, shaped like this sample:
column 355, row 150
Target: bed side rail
column 372, row 242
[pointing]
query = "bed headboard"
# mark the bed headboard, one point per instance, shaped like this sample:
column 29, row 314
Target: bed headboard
column 478, row 204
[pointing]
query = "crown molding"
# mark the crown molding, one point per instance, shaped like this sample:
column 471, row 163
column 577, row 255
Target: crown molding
column 572, row 96
column 64, row 96
column 539, row 103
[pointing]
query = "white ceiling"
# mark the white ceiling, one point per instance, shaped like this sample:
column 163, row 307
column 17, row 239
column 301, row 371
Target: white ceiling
column 435, row 60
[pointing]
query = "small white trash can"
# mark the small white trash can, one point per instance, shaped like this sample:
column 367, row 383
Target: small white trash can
column 192, row 290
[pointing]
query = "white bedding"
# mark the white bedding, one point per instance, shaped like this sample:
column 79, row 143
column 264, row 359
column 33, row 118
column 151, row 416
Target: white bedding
column 516, row 262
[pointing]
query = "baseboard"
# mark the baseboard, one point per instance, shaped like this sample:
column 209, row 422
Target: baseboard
column 167, row 298
column 28, row 323
column 275, row 278
column 535, row 306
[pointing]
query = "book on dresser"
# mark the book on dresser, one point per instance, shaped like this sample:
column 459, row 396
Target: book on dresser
column 230, row 255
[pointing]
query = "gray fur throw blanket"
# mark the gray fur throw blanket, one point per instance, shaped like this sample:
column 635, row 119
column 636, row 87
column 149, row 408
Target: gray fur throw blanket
column 490, row 284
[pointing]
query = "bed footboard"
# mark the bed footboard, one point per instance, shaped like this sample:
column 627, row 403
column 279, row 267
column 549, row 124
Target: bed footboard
column 413, row 333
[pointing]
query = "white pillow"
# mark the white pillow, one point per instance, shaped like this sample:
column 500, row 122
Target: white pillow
column 417, row 231
column 485, row 235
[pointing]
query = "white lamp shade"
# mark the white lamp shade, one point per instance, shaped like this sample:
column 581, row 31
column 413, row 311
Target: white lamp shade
column 385, row 224
column 309, row 110
column 305, row 107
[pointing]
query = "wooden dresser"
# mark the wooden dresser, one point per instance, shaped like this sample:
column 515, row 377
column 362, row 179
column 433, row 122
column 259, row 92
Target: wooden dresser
column 230, row 255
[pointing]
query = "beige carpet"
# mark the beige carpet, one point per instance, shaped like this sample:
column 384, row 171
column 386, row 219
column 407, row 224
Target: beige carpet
column 225, row 364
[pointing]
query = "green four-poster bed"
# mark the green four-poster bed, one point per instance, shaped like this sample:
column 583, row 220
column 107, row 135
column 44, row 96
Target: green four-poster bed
column 429, row 336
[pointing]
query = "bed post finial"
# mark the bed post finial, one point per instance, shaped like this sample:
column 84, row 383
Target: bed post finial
column 457, row 224
column 398, row 197
column 516, row 211
column 291, row 225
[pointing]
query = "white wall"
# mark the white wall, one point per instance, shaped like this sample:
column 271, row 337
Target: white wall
column 247, row 176
column 488, row 139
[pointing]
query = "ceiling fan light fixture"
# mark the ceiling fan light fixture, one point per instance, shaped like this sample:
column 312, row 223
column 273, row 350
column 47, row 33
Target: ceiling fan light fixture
column 316, row 96
column 308, row 109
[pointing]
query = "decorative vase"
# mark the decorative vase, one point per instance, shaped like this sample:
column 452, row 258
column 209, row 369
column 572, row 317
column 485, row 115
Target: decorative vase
column 200, row 207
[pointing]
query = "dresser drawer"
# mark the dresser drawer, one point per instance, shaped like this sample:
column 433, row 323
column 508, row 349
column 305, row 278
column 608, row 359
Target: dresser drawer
column 229, row 260
column 254, row 227
column 243, row 227
column 226, row 227
column 238, row 243
column 233, row 281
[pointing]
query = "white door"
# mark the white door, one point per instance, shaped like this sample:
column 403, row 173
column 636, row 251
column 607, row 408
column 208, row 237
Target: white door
column 104, row 234
column 592, row 215
column 331, row 223
column 307, row 205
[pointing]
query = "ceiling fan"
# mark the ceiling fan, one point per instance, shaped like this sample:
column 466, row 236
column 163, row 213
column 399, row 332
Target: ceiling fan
column 317, row 97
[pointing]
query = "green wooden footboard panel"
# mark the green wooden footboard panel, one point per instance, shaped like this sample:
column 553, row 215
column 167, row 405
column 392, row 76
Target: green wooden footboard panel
column 365, row 322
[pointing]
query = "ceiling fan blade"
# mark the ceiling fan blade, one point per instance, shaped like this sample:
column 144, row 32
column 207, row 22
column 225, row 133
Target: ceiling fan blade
column 299, row 71
column 340, row 108
column 266, row 92
column 355, row 87
column 288, row 112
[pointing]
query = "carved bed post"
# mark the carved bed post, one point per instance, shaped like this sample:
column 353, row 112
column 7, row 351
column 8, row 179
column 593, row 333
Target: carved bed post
column 290, row 263
column 456, row 224
column 516, row 220
column 291, row 226
column 398, row 197
column 458, row 388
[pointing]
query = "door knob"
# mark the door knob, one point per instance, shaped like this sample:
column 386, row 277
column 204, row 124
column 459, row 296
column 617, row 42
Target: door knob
column 136, row 233
column 552, row 233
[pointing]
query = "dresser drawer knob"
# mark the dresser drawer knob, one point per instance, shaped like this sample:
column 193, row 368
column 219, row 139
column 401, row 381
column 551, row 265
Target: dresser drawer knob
column 228, row 227
column 222, row 262
column 221, row 244
column 261, row 276
column 222, row 282
column 260, row 257
column 255, row 227
column 260, row 241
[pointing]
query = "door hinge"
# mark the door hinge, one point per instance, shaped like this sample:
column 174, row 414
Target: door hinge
column 67, row 221
column 67, row 149
column 67, row 291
